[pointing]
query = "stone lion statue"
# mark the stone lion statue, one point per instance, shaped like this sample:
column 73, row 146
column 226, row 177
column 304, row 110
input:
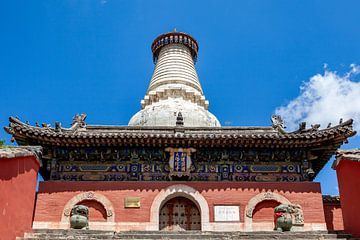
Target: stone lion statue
column 79, row 217
column 287, row 216
column 282, row 218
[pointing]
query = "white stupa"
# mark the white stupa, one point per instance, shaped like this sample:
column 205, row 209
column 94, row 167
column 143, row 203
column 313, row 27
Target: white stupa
column 174, row 89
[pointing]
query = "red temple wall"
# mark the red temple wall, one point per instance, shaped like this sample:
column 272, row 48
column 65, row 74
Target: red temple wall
column 18, row 178
column 53, row 196
column 264, row 211
column 333, row 217
column 349, row 188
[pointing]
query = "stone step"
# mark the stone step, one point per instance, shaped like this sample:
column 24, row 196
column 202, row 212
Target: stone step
column 170, row 238
column 72, row 234
column 227, row 236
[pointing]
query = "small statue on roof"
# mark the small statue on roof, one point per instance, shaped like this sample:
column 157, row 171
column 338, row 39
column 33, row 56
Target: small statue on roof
column 45, row 125
column 79, row 119
column 315, row 127
column 302, row 126
column 278, row 122
column 58, row 126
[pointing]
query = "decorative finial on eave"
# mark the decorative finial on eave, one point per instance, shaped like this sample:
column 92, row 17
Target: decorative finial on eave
column 79, row 118
column 174, row 30
column 9, row 130
column 278, row 123
column 302, row 126
column 315, row 127
column 179, row 120
column 58, row 126
column 45, row 125
column 78, row 121
column 14, row 119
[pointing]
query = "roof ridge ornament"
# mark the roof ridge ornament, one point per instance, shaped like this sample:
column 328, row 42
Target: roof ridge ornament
column 315, row 127
column 46, row 125
column 58, row 126
column 278, row 123
column 302, row 126
column 78, row 121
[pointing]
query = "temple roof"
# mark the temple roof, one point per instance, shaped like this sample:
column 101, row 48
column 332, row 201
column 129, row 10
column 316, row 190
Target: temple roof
column 81, row 134
column 321, row 144
column 350, row 154
column 23, row 151
column 329, row 199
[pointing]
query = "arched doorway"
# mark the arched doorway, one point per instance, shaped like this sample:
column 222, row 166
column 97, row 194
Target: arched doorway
column 262, row 211
column 97, row 212
column 179, row 214
column 101, row 211
column 263, row 214
column 179, row 190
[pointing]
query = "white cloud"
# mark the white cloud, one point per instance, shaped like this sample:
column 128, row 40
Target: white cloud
column 325, row 98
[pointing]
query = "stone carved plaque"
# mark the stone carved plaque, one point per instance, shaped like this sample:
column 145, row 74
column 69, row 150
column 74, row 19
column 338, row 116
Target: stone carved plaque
column 132, row 202
column 227, row 213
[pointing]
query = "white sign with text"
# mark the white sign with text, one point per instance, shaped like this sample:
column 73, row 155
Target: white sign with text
column 227, row 213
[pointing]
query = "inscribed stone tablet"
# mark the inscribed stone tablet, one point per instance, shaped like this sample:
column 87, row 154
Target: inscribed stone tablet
column 132, row 202
column 227, row 213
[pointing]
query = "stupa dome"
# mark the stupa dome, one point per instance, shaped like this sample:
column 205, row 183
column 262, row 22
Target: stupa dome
column 174, row 87
column 165, row 112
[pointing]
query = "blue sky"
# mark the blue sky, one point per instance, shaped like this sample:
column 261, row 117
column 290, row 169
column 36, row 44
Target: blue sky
column 58, row 58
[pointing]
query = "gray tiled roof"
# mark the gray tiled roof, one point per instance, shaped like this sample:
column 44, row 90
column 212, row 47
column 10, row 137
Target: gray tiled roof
column 21, row 151
column 82, row 134
column 351, row 154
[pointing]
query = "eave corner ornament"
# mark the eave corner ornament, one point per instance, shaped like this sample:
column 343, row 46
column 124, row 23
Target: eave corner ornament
column 278, row 123
column 180, row 161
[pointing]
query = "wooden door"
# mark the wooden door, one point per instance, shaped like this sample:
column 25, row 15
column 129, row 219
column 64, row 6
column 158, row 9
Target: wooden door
column 179, row 214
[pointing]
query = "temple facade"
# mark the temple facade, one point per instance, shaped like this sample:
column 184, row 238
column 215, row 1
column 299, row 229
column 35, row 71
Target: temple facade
column 174, row 167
